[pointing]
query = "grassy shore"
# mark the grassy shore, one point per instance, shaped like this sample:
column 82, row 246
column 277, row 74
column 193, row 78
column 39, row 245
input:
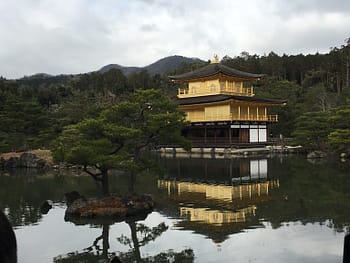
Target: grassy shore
column 42, row 154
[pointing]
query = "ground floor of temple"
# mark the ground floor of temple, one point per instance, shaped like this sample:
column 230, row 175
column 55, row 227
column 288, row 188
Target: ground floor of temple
column 227, row 134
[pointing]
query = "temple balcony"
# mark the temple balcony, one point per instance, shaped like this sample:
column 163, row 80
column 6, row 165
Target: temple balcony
column 224, row 89
column 232, row 117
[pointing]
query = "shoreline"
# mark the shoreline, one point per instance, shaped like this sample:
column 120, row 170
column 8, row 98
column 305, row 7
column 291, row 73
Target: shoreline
column 42, row 159
column 226, row 153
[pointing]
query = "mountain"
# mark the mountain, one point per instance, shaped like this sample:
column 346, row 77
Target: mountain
column 125, row 70
column 169, row 64
column 164, row 65
column 38, row 76
column 43, row 78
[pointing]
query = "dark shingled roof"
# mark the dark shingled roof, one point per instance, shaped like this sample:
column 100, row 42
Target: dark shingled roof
column 212, row 70
column 224, row 97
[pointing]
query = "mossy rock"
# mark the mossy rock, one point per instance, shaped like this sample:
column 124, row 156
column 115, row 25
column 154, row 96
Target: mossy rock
column 110, row 208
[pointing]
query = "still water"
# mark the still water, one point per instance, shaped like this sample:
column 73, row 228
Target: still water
column 208, row 210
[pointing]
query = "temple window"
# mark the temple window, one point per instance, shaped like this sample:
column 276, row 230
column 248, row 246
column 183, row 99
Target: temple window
column 212, row 88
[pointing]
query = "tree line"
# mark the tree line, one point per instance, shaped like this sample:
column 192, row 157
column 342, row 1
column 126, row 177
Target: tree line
column 317, row 88
column 331, row 69
column 34, row 110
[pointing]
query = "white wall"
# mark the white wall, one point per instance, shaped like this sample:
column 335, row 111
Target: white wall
column 262, row 135
column 257, row 135
column 258, row 169
column 254, row 135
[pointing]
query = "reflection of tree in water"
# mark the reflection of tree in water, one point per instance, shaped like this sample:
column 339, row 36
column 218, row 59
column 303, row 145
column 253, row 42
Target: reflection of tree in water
column 21, row 195
column 140, row 236
column 93, row 253
column 147, row 234
column 23, row 191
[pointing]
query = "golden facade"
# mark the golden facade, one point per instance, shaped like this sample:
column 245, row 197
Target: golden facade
column 220, row 104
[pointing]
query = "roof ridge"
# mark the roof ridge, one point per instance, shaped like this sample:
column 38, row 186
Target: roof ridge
column 213, row 69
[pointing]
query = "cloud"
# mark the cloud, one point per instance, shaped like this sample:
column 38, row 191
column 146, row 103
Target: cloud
column 83, row 35
column 148, row 27
column 316, row 6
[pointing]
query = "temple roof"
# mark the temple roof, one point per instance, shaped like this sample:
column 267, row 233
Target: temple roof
column 224, row 97
column 212, row 70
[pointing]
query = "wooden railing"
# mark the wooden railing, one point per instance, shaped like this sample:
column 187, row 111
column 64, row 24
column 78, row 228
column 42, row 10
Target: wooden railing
column 184, row 92
column 231, row 117
column 238, row 91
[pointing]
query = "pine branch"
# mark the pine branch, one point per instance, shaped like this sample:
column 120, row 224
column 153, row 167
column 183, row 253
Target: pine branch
column 93, row 175
column 117, row 149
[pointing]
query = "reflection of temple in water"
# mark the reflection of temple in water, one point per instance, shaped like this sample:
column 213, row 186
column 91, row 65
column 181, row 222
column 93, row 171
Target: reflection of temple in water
column 223, row 193
column 217, row 170
column 217, row 217
column 217, row 209
column 236, row 201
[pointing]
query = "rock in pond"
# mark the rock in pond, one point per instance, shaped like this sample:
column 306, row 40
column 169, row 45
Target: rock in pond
column 316, row 154
column 72, row 196
column 45, row 207
column 345, row 154
column 110, row 207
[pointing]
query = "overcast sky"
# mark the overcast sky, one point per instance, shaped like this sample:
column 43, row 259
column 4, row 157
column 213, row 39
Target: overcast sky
column 76, row 36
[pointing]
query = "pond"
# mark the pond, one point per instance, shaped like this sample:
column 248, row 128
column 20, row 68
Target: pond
column 278, row 209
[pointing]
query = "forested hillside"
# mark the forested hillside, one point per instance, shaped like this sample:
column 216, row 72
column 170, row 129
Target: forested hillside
column 317, row 88
column 161, row 66
column 34, row 110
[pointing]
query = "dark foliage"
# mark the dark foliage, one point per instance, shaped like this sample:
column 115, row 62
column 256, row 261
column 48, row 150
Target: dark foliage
column 34, row 110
